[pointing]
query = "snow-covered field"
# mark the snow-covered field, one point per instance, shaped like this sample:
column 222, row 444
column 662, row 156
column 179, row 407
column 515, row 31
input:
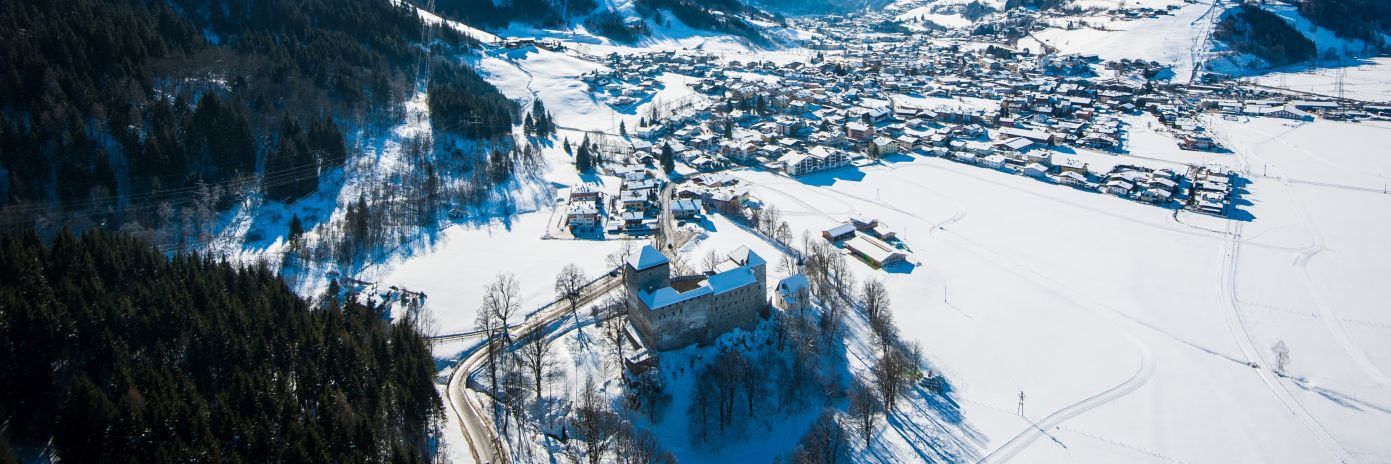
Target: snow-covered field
column 1141, row 320
column 1368, row 79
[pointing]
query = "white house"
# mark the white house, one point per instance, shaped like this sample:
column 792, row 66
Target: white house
column 1036, row 170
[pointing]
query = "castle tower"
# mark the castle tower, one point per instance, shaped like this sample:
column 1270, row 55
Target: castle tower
column 647, row 270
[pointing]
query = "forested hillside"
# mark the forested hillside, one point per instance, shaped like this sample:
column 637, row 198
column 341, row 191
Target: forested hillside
column 487, row 13
column 113, row 112
column 727, row 16
column 1251, row 29
column 1366, row 20
column 116, row 353
column 820, row 6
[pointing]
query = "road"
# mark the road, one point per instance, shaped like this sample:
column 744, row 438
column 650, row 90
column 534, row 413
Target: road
column 483, row 441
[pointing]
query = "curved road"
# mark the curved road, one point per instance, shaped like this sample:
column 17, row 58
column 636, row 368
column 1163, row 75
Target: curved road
column 484, row 443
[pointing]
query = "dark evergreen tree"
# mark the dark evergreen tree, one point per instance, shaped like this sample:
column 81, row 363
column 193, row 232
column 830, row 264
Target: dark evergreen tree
column 296, row 230
column 583, row 161
column 668, row 159
column 114, row 352
column 463, row 103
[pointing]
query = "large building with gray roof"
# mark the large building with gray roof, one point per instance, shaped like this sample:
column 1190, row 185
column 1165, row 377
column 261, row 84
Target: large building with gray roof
column 675, row 311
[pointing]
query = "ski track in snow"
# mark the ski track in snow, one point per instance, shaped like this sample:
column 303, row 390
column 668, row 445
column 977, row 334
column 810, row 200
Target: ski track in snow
column 1331, row 320
column 1143, row 372
column 1236, row 325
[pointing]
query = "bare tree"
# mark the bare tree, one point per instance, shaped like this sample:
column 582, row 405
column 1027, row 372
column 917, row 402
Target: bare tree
column 699, row 413
column 595, row 423
column 712, row 261
column 569, row 285
column 788, row 264
column 640, row 446
column 783, row 234
column 874, row 299
column 832, row 316
column 502, row 298
column 824, row 443
column 885, row 332
column 768, row 223
column 839, row 275
column 890, row 375
column 537, row 357
column 487, row 323
column 864, row 410
column 620, row 257
column 1282, row 357
column 680, row 263
column 615, row 327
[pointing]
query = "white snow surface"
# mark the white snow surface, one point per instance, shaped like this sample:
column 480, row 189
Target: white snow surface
column 1127, row 316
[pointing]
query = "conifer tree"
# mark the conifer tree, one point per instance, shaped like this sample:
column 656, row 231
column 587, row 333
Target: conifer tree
column 583, row 162
column 668, row 158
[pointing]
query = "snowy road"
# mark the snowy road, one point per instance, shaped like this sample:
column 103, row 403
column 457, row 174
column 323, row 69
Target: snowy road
column 482, row 438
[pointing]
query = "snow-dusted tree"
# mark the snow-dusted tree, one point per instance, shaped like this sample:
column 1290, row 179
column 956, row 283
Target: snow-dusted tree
column 783, row 234
column 768, row 223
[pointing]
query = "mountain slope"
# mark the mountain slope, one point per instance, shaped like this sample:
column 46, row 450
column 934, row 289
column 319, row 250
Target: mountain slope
column 136, row 114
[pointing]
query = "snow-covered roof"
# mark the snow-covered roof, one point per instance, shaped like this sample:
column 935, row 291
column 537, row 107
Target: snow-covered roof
column 685, row 205
column 731, row 279
column 746, row 257
column 646, row 258
column 583, row 207
column 841, row 229
column 873, row 249
column 667, row 296
column 794, row 283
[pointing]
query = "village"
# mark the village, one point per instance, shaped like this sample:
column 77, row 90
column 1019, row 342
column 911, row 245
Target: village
column 879, row 97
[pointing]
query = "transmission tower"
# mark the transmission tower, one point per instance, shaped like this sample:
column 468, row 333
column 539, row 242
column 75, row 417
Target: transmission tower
column 1341, row 74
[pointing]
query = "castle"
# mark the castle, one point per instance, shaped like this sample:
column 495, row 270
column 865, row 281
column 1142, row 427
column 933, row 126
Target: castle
column 672, row 312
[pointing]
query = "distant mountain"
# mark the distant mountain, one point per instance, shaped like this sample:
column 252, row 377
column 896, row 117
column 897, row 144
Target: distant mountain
column 625, row 23
column 805, row 7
